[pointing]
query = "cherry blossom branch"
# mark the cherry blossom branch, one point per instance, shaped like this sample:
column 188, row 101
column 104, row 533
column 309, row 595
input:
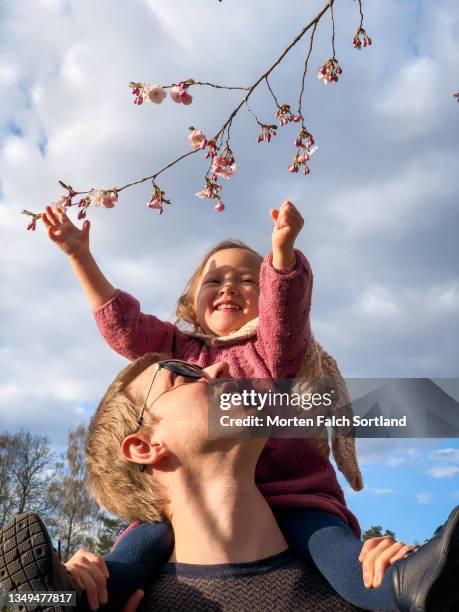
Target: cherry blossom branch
column 222, row 165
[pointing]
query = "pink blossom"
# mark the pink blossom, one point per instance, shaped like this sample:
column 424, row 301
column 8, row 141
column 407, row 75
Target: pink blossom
column 110, row 199
column 156, row 203
column 221, row 167
column 211, row 190
column 293, row 168
column 96, row 197
column 205, row 193
column 154, row 93
column 219, row 206
column 185, row 98
column 328, row 73
column 361, row 38
column 157, row 199
column 197, row 139
column 180, row 94
column 176, row 94
column 32, row 225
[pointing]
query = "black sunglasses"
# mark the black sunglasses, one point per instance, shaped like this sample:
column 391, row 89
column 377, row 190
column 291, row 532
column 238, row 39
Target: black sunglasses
column 176, row 366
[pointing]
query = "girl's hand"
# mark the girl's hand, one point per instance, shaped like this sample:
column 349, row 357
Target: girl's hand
column 287, row 225
column 73, row 241
column 133, row 602
column 376, row 556
column 90, row 573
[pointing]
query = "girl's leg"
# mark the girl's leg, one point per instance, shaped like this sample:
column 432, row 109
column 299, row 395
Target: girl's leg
column 334, row 548
column 136, row 558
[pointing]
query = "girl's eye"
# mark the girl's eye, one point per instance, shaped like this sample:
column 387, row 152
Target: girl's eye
column 249, row 280
column 211, row 281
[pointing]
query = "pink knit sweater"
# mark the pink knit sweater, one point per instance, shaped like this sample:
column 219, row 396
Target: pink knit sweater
column 290, row 472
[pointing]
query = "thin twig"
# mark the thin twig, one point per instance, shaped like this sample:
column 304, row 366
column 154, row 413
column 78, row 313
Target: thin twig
column 361, row 14
column 193, row 82
column 272, row 93
column 255, row 117
column 333, row 27
column 219, row 86
column 300, row 101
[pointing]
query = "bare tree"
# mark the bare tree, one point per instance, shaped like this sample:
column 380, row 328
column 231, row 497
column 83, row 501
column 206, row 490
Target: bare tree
column 76, row 512
column 26, row 471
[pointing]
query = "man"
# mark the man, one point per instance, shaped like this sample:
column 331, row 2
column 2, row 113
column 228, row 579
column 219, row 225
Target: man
column 229, row 552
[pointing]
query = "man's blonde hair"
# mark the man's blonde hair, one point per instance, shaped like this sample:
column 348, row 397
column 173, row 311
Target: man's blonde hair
column 116, row 483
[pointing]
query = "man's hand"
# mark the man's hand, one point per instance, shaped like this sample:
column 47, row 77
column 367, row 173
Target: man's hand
column 90, row 573
column 73, row 241
column 287, row 225
column 376, row 556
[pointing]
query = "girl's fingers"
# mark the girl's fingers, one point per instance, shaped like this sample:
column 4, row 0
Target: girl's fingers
column 90, row 588
column 44, row 218
column 96, row 560
column 401, row 553
column 368, row 564
column 76, row 576
column 98, row 576
column 52, row 234
column 54, row 221
column 86, row 226
column 382, row 562
column 133, row 602
column 369, row 545
column 61, row 215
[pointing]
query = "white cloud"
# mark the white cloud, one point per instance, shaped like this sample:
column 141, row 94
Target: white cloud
column 377, row 301
column 447, row 471
column 424, row 498
column 380, row 491
column 410, row 102
column 374, row 205
column 446, row 454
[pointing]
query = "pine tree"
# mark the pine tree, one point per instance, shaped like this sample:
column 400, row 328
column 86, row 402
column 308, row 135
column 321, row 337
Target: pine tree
column 376, row 531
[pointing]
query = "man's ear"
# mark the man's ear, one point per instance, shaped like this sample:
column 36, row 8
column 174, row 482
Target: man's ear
column 139, row 448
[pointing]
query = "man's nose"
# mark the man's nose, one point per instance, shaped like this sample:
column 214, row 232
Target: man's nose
column 218, row 370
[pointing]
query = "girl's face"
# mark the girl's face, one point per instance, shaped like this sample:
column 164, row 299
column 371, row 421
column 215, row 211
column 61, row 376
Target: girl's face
column 228, row 291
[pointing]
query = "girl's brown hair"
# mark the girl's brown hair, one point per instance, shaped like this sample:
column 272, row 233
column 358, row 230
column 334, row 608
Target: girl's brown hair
column 186, row 312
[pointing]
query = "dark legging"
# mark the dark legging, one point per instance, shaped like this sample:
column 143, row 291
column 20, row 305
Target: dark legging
column 334, row 548
column 318, row 536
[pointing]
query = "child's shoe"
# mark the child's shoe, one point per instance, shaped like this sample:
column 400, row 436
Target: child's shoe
column 28, row 562
column 427, row 578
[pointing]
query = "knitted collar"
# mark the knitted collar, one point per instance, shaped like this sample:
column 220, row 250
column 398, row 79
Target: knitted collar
column 249, row 330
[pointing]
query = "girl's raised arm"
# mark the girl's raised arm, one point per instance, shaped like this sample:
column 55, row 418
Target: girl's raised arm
column 285, row 297
column 74, row 242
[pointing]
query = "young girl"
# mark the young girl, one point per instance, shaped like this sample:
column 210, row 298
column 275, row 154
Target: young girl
column 254, row 315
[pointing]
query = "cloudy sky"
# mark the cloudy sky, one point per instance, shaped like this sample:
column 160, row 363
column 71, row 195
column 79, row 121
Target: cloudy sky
column 380, row 204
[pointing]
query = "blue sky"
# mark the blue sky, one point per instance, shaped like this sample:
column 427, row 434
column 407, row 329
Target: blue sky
column 380, row 204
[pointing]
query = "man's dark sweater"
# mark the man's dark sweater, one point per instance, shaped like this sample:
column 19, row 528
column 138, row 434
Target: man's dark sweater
column 279, row 583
